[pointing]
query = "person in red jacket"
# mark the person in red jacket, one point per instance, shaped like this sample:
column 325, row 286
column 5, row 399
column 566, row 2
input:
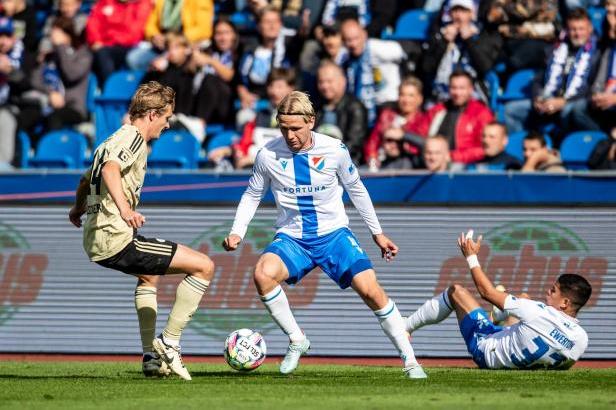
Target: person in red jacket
column 113, row 28
column 460, row 119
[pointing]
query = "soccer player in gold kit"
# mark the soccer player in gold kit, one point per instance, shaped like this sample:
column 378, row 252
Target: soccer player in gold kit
column 109, row 193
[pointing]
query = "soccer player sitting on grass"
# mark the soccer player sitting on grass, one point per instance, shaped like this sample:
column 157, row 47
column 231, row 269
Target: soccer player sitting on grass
column 109, row 192
column 546, row 335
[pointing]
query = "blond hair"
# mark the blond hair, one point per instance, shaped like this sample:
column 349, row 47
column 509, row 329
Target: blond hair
column 412, row 81
column 151, row 96
column 296, row 103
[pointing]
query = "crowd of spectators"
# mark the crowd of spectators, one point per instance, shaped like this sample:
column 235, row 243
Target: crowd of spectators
column 397, row 104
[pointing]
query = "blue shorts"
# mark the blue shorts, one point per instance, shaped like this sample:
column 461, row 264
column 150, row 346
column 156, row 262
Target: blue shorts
column 474, row 327
column 338, row 254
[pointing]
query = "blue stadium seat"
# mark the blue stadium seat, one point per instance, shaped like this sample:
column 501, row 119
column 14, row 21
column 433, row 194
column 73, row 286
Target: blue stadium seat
column 597, row 15
column 112, row 104
column 122, row 84
column 491, row 80
column 515, row 146
column 92, row 92
column 175, row 149
column 413, row 25
column 224, row 138
column 24, row 149
column 519, row 87
column 60, row 149
column 577, row 147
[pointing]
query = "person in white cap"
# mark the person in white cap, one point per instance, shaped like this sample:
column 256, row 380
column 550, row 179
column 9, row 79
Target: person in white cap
column 460, row 44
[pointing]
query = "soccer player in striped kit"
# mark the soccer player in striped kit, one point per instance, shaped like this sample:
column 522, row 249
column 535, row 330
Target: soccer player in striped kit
column 308, row 173
column 108, row 193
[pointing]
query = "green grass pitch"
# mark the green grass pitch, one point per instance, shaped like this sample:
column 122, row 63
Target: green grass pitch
column 114, row 385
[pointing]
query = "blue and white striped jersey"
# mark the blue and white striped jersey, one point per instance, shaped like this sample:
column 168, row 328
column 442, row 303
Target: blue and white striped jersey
column 308, row 187
column 544, row 337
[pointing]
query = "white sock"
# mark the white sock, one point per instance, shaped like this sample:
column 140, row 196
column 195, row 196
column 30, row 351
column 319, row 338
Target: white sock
column 393, row 325
column 277, row 305
column 432, row 311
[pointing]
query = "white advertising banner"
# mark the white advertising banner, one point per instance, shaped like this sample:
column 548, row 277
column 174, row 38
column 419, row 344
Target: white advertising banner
column 53, row 300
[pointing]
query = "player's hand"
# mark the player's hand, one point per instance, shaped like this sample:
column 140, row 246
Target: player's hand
column 467, row 245
column 231, row 242
column 74, row 215
column 389, row 249
column 133, row 219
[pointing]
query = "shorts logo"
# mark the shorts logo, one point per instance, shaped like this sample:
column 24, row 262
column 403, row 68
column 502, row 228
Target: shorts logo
column 318, row 162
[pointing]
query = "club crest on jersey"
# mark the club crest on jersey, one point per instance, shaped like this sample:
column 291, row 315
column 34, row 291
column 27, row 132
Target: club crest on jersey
column 284, row 163
column 318, row 162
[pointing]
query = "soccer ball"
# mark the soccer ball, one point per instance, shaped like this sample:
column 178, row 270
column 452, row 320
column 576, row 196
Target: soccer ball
column 245, row 350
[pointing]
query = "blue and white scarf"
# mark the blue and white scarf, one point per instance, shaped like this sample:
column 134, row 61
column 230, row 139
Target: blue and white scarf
column 455, row 58
column 361, row 82
column 330, row 11
column 577, row 77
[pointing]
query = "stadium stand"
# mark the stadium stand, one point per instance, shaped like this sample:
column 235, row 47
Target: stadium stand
column 107, row 103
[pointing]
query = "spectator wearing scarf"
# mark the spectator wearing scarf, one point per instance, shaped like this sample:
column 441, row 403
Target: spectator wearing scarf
column 566, row 84
column 373, row 67
column 461, row 44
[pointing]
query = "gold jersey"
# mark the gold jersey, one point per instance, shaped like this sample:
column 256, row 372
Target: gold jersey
column 105, row 233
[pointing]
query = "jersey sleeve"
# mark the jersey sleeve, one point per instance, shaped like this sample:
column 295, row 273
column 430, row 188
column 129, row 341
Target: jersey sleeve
column 124, row 152
column 524, row 309
column 257, row 187
column 349, row 177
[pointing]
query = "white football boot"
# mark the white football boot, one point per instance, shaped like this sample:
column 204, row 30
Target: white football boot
column 415, row 371
column 172, row 356
column 153, row 366
column 294, row 352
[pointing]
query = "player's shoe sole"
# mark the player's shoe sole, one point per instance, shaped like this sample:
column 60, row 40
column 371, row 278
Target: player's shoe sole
column 415, row 372
column 294, row 352
column 153, row 366
column 172, row 356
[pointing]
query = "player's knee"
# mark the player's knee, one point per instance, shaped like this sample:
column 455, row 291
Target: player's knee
column 376, row 295
column 265, row 273
column 208, row 268
column 456, row 290
column 205, row 269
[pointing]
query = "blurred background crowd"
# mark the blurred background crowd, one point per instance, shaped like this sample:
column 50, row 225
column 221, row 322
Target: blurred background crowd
column 476, row 85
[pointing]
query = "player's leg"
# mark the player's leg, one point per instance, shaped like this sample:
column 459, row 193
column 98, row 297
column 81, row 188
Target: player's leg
column 369, row 289
column 270, row 272
column 146, row 306
column 437, row 309
column 283, row 260
column 199, row 270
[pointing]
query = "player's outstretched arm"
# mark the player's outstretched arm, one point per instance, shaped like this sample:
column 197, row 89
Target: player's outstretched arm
column 257, row 187
column 81, row 195
column 113, row 181
column 470, row 250
column 389, row 249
